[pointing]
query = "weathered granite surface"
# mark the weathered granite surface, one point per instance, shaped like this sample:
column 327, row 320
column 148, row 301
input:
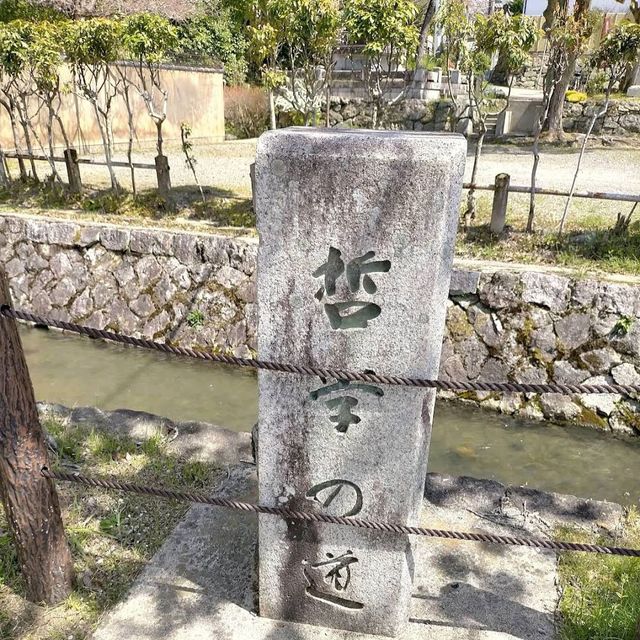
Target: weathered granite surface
column 202, row 582
column 348, row 223
column 169, row 286
column 193, row 440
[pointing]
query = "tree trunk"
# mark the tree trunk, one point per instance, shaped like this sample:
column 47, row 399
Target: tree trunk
column 470, row 213
column 30, row 500
column 73, row 171
column 106, row 146
column 52, row 164
column 27, row 138
column 160, row 141
column 5, row 178
column 556, row 103
column 551, row 78
column 599, row 114
column 566, row 55
column 16, row 139
column 532, row 195
column 429, row 12
column 130, row 126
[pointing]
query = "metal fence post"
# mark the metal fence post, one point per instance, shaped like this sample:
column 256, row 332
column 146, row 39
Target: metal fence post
column 73, row 170
column 30, row 500
column 500, row 200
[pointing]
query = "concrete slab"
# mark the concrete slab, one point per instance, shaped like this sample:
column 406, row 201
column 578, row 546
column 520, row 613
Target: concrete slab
column 202, row 585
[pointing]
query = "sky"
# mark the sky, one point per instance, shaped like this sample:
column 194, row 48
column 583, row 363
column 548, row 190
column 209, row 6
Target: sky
column 536, row 7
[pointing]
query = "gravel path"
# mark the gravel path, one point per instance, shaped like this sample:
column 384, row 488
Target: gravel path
column 226, row 167
column 603, row 169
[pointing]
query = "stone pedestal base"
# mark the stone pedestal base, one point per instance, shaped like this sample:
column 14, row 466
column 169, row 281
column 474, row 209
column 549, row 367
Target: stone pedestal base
column 201, row 585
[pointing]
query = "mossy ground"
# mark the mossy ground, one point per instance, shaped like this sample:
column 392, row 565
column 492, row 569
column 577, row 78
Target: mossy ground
column 111, row 535
column 600, row 594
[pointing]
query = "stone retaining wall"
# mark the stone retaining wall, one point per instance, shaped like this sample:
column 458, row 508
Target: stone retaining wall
column 179, row 287
column 407, row 115
column 623, row 117
column 540, row 327
column 199, row 290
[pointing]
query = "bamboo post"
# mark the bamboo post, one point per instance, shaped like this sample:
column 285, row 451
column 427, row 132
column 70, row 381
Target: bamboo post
column 500, row 201
column 73, row 170
column 30, row 500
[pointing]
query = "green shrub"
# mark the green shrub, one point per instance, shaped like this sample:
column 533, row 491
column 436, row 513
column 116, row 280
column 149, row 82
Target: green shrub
column 597, row 83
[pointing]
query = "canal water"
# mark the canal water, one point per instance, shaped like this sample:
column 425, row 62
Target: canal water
column 76, row 371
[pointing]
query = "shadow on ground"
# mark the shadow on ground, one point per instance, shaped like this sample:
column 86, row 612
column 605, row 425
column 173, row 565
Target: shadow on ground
column 220, row 207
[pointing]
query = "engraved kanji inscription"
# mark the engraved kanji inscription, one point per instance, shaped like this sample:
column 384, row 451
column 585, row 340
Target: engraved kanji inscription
column 344, row 401
column 350, row 314
column 337, row 497
column 328, row 579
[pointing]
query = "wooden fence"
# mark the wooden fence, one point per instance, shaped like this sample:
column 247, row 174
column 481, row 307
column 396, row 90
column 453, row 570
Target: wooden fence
column 502, row 187
column 72, row 163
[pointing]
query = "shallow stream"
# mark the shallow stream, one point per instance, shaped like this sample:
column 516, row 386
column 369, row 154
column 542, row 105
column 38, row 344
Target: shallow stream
column 76, row 371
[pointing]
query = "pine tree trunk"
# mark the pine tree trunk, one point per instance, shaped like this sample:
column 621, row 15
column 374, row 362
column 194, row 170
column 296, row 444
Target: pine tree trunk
column 30, row 500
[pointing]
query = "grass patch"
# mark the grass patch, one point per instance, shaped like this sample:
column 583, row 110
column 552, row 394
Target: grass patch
column 111, row 535
column 600, row 594
column 221, row 208
column 588, row 243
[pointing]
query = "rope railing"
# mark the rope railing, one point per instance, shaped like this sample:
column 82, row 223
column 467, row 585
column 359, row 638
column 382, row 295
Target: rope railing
column 323, row 372
column 339, row 374
column 350, row 521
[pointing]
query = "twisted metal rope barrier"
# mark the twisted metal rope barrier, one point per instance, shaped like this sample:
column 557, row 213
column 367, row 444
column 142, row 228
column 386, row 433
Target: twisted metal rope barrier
column 537, row 543
column 322, row 372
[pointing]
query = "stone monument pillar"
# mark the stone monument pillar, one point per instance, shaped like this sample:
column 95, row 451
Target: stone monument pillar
column 357, row 234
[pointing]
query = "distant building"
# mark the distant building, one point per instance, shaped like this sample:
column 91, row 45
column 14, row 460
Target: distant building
column 536, row 7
